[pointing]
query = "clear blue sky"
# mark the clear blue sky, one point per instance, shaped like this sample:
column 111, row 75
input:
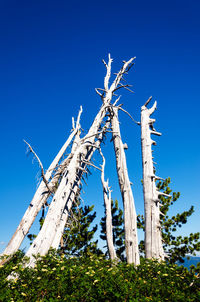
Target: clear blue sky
column 50, row 63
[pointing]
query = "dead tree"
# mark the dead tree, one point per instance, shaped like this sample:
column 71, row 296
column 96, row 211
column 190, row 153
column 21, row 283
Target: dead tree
column 108, row 212
column 130, row 217
column 60, row 228
column 153, row 234
column 56, row 218
column 41, row 196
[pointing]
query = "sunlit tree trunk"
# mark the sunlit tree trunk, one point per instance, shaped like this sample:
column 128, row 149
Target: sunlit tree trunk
column 153, row 234
column 39, row 198
column 130, row 217
column 108, row 213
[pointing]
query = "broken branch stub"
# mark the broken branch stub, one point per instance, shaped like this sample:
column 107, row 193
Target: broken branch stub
column 153, row 234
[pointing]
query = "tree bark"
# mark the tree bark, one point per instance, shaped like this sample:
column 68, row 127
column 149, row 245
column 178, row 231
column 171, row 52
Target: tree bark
column 153, row 235
column 130, row 217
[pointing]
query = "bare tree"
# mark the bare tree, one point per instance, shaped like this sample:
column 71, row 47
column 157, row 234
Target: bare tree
column 108, row 212
column 62, row 182
column 130, row 217
column 153, row 234
column 56, row 218
column 42, row 194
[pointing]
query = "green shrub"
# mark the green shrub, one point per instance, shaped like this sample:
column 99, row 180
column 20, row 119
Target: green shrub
column 57, row 278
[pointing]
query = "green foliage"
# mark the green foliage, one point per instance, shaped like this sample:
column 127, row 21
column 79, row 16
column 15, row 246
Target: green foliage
column 118, row 229
column 78, row 235
column 177, row 247
column 59, row 278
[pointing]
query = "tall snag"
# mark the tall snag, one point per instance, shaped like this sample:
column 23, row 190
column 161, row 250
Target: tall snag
column 130, row 217
column 153, row 234
column 41, row 195
column 56, row 218
column 108, row 213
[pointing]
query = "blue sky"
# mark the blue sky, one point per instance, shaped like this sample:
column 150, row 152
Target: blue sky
column 50, row 58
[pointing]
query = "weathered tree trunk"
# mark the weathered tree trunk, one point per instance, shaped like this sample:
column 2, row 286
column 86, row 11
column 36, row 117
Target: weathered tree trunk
column 76, row 190
column 39, row 198
column 130, row 217
column 69, row 184
column 153, row 234
column 108, row 212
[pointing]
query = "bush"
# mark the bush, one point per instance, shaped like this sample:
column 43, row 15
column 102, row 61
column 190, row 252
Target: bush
column 57, row 278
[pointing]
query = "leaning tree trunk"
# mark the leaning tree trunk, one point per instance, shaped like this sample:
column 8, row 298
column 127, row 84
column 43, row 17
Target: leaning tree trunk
column 130, row 217
column 76, row 190
column 71, row 178
column 153, row 234
column 39, row 198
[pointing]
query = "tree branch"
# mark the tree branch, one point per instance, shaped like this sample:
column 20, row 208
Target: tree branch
column 147, row 102
column 40, row 164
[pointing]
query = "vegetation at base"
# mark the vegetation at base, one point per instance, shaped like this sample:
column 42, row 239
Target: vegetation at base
column 93, row 278
column 79, row 271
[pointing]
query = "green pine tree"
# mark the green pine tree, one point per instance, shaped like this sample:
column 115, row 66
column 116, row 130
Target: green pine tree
column 118, row 230
column 176, row 247
column 77, row 239
column 78, row 235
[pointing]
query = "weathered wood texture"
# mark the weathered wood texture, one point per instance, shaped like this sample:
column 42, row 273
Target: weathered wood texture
column 153, row 234
column 130, row 217
column 76, row 191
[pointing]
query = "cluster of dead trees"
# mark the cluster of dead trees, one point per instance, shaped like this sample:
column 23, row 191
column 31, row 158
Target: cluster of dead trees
column 62, row 182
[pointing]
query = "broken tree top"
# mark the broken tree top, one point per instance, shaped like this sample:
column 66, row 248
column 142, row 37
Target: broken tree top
column 62, row 182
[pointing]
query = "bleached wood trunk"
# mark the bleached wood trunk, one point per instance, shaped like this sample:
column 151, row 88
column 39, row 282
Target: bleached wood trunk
column 39, row 198
column 130, row 217
column 153, row 235
column 76, row 191
column 108, row 212
column 71, row 178
column 52, row 229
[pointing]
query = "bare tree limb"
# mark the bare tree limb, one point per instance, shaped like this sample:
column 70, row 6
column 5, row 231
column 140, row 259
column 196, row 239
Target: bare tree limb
column 40, row 197
column 40, row 164
column 120, row 108
column 92, row 165
column 147, row 102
